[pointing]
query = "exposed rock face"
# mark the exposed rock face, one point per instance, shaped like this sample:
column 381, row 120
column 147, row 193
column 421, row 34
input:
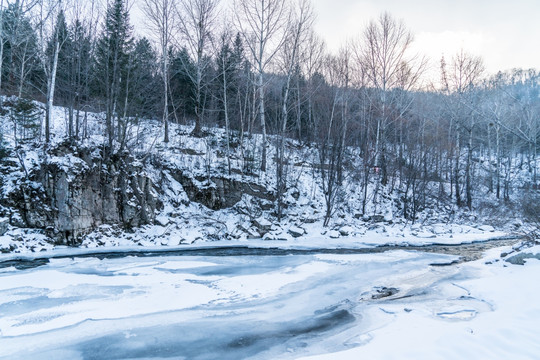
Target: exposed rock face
column 220, row 192
column 75, row 191
column 4, row 222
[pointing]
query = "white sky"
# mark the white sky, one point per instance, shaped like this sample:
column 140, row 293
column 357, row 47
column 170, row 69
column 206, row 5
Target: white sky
column 506, row 33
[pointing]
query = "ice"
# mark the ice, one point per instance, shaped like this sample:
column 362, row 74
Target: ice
column 317, row 306
column 251, row 305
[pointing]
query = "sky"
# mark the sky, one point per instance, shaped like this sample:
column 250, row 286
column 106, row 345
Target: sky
column 505, row 33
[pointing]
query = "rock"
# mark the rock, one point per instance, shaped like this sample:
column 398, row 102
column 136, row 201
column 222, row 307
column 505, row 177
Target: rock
column 486, row 228
column 426, row 235
column 377, row 218
column 334, row 234
column 162, row 220
column 6, row 244
column 384, row 292
column 262, row 224
column 77, row 190
column 296, row 231
column 219, row 192
column 4, row 223
column 439, row 229
column 521, row 258
column 309, row 220
column 346, row 230
column 253, row 234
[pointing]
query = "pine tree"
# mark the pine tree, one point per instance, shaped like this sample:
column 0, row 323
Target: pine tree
column 112, row 61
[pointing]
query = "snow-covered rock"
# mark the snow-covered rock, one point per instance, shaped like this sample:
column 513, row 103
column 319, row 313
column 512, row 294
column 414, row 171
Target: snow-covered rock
column 4, row 223
column 6, row 244
column 486, row 228
column 296, row 231
column 425, row 235
column 333, row 234
column 439, row 229
column 162, row 220
column 377, row 218
column 253, row 234
column 346, row 230
column 262, row 224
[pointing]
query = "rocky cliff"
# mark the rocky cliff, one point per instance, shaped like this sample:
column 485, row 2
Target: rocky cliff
column 71, row 190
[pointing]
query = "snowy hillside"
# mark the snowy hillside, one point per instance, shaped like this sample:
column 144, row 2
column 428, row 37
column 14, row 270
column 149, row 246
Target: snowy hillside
column 197, row 199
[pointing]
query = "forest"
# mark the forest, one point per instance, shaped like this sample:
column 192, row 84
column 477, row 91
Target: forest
column 254, row 67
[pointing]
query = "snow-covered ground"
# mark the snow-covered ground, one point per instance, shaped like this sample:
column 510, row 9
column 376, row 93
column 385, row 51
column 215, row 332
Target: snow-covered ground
column 319, row 306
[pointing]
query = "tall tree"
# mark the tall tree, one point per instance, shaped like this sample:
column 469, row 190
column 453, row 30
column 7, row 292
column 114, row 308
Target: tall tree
column 196, row 23
column 460, row 84
column 263, row 24
column 301, row 22
column 162, row 17
column 384, row 55
column 53, row 38
column 112, row 59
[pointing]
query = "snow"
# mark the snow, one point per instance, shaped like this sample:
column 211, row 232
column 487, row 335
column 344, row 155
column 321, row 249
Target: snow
column 493, row 315
column 320, row 306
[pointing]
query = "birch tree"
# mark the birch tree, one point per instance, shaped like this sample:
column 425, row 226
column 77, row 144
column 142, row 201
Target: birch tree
column 301, row 21
column 384, row 55
column 162, row 18
column 263, row 24
column 52, row 33
column 460, row 83
column 196, row 25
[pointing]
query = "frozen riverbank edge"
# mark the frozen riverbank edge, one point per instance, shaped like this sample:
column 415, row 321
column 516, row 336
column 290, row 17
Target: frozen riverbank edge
column 267, row 248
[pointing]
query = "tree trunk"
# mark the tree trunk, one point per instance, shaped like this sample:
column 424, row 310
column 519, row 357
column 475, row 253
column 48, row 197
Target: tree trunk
column 263, row 120
column 165, row 95
column 50, row 94
column 456, row 170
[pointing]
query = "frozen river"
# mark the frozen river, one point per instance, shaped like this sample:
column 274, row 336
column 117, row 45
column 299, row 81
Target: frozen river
column 225, row 307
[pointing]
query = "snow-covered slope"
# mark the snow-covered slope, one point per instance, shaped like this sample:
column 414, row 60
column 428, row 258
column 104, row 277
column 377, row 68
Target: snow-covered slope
column 197, row 199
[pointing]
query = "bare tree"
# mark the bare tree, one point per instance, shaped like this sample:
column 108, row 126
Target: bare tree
column 384, row 55
column 313, row 54
column 460, row 84
column 302, row 20
column 196, row 24
column 161, row 16
column 51, row 18
column 263, row 24
column 332, row 121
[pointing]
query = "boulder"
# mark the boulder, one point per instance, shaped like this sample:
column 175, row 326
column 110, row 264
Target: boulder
column 253, row 234
column 4, row 223
column 333, row 234
column 425, row 235
column 262, row 224
column 346, row 230
column 162, row 220
column 296, row 231
column 486, row 228
column 439, row 229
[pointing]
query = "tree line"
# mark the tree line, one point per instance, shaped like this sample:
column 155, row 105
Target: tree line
column 258, row 66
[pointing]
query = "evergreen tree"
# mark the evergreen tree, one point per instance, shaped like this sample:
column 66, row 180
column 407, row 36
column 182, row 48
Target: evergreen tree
column 112, row 61
column 182, row 91
column 141, row 92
